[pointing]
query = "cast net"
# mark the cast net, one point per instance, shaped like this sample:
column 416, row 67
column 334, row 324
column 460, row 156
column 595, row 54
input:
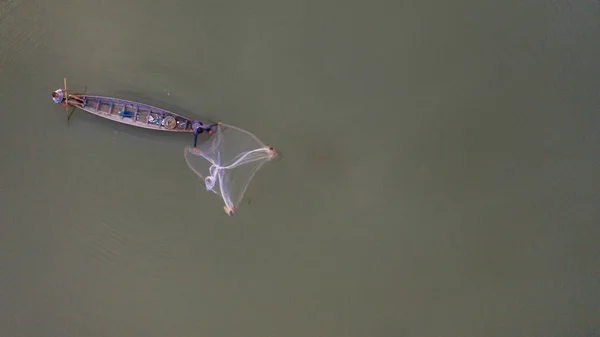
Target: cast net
column 228, row 161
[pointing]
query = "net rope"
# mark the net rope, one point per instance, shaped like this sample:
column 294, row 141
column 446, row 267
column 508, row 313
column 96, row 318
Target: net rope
column 228, row 161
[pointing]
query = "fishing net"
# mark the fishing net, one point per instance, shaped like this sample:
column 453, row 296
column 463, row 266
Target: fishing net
column 228, row 161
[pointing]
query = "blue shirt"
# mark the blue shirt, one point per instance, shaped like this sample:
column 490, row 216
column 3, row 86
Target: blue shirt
column 198, row 127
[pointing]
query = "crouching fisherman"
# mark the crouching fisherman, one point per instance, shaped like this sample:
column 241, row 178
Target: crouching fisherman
column 198, row 128
column 58, row 97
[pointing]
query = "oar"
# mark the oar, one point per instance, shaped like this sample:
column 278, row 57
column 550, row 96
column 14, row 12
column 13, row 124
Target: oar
column 70, row 113
column 73, row 108
column 66, row 99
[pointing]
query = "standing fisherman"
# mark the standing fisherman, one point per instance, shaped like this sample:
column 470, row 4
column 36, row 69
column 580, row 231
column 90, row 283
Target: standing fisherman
column 198, row 128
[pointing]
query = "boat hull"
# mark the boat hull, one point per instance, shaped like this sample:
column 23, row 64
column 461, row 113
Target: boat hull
column 135, row 114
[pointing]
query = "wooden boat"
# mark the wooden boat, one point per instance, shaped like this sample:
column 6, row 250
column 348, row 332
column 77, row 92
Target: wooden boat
column 134, row 113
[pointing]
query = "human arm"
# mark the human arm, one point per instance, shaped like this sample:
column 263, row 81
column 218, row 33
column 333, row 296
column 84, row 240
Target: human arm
column 210, row 127
column 195, row 140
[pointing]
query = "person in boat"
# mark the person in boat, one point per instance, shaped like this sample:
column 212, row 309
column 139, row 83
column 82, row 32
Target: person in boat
column 58, row 96
column 198, row 128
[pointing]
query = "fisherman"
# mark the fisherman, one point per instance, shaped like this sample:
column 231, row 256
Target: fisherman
column 58, row 97
column 198, row 128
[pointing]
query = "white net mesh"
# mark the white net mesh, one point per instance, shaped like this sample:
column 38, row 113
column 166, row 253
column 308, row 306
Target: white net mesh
column 228, row 161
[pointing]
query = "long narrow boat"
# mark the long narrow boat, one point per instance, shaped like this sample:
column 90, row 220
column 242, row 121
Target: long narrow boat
column 135, row 114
